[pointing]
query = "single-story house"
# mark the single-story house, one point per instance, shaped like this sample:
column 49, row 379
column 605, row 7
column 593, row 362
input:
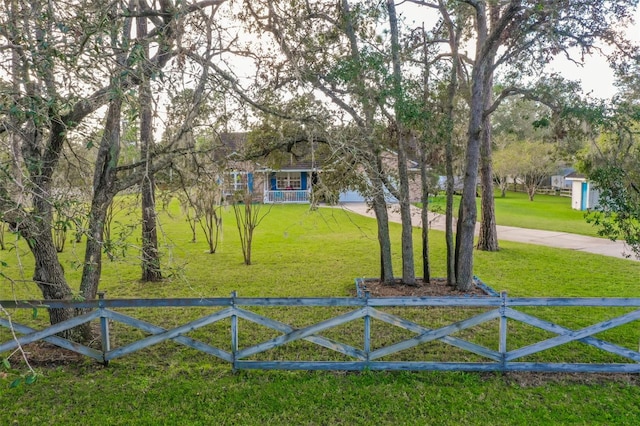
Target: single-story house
column 292, row 182
column 560, row 181
column 294, row 177
column 584, row 195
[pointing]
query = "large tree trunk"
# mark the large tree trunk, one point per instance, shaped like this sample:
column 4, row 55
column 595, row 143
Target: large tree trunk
column 150, row 253
column 48, row 273
column 424, row 214
column 486, row 47
column 455, row 33
column 37, row 230
column 373, row 162
column 448, row 226
column 488, row 237
column 95, row 241
column 487, row 44
column 46, row 112
column 468, row 213
column 408, row 266
column 531, row 189
column 104, row 190
column 424, row 167
column 40, row 158
column 382, row 220
column 14, row 135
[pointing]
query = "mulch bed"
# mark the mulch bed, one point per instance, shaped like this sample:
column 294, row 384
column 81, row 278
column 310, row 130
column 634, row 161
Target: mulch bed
column 45, row 355
column 437, row 287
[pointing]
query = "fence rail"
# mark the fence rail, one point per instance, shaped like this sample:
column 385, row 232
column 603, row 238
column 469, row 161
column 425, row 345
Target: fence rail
column 554, row 191
column 364, row 311
column 291, row 196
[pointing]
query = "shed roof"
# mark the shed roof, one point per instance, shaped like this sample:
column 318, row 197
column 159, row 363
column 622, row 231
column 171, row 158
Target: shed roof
column 575, row 176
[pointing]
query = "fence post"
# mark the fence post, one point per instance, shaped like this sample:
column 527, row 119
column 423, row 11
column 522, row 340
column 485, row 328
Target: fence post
column 234, row 330
column 367, row 330
column 503, row 331
column 104, row 329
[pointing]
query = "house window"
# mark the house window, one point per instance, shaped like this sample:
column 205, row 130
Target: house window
column 288, row 180
column 236, row 181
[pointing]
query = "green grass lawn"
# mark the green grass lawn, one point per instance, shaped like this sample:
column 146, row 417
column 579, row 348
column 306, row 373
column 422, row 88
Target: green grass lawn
column 547, row 212
column 313, row 253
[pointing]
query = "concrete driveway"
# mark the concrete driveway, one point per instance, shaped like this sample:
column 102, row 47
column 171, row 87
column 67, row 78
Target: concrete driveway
column 563, row 240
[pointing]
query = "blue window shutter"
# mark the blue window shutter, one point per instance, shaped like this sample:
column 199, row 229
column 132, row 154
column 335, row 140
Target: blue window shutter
column 273, row 182
column 303, row 180
column 250, row 182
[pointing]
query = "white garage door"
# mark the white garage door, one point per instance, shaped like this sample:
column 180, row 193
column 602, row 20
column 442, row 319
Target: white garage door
column 356, row 197
column 351, row 197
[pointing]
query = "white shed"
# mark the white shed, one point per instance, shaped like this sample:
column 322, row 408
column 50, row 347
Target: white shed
column 584, row 195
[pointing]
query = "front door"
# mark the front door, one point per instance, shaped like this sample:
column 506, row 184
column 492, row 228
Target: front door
column 585, row 196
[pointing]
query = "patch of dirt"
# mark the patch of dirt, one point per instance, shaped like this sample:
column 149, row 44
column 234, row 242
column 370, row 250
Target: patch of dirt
column 438, row 287
column 42, row 354
column 435, row 288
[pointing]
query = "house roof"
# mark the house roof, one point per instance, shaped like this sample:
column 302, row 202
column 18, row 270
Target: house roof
column 300, row 165
column 303, row 156
column 300, row 159
column 232, row 143
column 565, row 171
column 575, row 176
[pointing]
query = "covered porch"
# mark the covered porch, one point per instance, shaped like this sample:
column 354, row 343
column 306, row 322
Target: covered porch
column 291, row 186
column 299, row 196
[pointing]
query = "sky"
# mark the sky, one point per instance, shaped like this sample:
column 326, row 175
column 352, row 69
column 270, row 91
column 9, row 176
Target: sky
column 596, row 76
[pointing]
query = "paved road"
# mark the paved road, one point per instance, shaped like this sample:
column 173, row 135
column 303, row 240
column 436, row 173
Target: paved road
column 521, row 235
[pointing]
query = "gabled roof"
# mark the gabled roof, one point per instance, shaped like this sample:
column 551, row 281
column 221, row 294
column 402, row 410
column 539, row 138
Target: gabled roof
column 566, row 171
column 232, row 144
column 302, row 157
column 300, row 164
column 575, row 176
